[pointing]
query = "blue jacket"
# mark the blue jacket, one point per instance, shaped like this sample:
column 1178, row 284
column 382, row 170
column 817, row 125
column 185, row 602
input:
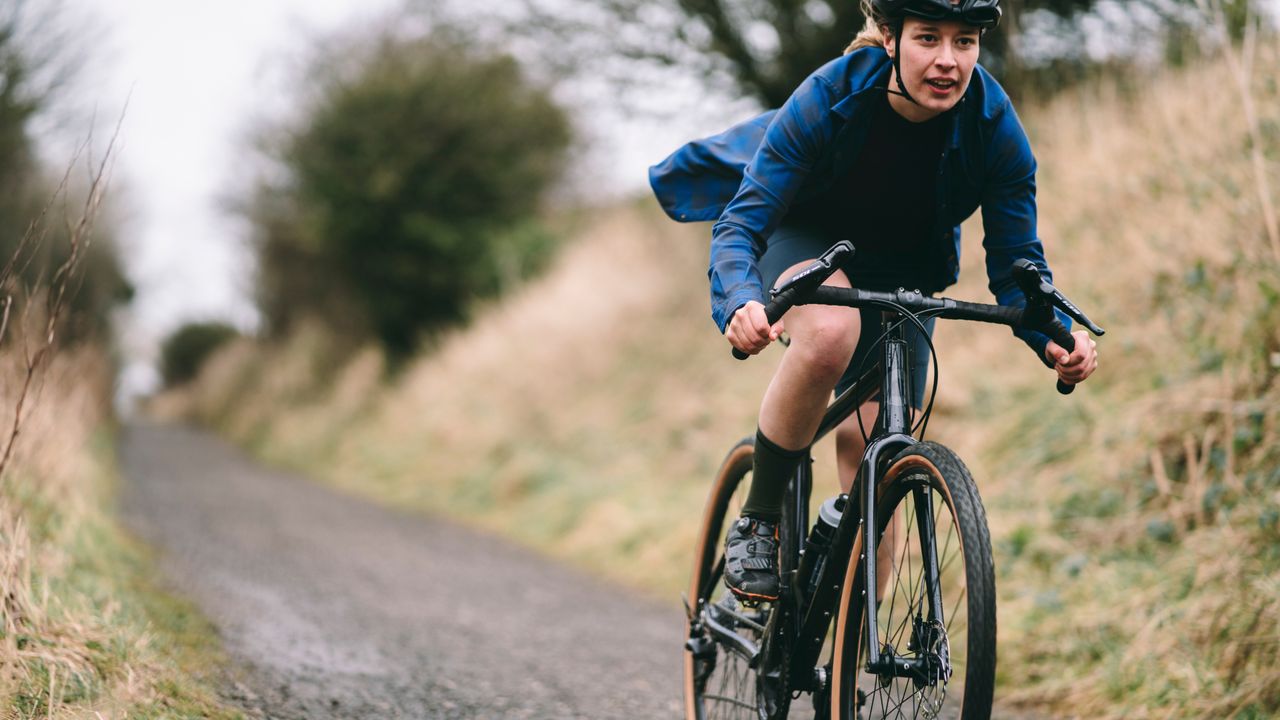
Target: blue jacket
column 747, row 178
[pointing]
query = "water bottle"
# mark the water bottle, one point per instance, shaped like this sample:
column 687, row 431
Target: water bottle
column 819, row 543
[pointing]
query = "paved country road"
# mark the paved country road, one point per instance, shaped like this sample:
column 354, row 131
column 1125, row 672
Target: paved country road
column 332, row 607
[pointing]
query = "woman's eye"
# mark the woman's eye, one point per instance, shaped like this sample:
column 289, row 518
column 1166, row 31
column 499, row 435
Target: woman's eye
column 927, row 38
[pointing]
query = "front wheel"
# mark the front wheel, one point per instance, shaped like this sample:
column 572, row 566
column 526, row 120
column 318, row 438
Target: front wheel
column 950, row 642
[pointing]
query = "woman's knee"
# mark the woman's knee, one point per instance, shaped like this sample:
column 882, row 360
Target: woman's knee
column 825, row 338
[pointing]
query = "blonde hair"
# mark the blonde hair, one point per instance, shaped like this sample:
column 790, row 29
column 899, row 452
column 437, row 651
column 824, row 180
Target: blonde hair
column 871, row 34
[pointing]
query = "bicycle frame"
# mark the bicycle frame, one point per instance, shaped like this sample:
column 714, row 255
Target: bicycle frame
column 891, row 435
column 808, row 619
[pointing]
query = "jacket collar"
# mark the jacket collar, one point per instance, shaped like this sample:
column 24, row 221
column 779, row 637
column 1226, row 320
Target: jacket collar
column 867, row 71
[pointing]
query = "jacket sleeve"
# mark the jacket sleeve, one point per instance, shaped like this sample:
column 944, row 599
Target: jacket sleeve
column 1009, row 219
column 792, row 144
column 696, row 182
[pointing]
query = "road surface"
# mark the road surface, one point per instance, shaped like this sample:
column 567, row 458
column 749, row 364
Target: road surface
column 332, row 607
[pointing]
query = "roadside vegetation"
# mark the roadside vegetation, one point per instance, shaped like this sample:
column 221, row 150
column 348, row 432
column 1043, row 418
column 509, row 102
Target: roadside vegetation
column 1136, row 522
column 186, row 349
column 84, row 630
column 1139, row 525
column 404, row 188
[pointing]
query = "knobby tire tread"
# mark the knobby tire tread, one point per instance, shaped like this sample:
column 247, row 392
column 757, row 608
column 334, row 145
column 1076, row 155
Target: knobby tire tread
column 970, row 516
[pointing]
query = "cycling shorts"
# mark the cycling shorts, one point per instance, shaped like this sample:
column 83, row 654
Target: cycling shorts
column 794, row 243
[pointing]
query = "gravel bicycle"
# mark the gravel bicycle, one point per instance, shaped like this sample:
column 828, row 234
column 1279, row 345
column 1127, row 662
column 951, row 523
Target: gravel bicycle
column 909, row 631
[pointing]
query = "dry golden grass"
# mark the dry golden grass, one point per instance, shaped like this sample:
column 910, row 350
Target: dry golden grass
column 77, row 637
column 83, row 630
column 52, row 463
column 1137, row 523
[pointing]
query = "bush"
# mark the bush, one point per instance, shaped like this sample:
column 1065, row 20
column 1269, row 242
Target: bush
column 410, row 184
column 189, row 347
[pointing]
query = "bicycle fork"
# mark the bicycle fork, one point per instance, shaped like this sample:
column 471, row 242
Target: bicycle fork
column 929, row 665
column 932, row 663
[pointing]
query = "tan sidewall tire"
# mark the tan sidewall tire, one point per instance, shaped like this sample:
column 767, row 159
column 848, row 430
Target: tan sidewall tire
column 735, row 466
column 922, row 457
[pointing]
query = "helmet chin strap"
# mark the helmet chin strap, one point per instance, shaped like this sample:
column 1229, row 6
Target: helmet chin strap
column 897, row 64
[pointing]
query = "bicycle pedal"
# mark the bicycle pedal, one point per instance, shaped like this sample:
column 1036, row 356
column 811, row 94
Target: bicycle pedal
column 701, row 647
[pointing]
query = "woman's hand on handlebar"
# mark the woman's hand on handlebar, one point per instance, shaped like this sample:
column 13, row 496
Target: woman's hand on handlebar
column 749, row 329
column 1074, row 367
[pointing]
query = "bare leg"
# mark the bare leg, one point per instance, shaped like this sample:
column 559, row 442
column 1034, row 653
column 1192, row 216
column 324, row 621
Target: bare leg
column 849, row 443
column 849, row 449
column 822, row 341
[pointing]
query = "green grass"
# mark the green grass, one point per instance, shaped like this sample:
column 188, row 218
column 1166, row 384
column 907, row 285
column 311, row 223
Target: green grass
column 91, row 630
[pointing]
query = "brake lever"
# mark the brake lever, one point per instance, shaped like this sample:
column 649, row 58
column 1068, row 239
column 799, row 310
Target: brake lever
column 1033, row 284
column 820, row 270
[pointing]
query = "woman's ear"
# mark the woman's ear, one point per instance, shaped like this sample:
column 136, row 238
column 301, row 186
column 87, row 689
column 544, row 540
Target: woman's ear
column 890, row 41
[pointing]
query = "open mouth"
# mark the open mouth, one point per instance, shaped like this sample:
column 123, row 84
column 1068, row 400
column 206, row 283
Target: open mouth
column 941, row 85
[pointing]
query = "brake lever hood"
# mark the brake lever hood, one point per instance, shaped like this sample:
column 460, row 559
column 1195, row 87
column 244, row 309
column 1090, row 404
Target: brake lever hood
column 1039, row 290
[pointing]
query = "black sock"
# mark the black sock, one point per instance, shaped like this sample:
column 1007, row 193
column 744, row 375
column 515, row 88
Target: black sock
column 771, row 470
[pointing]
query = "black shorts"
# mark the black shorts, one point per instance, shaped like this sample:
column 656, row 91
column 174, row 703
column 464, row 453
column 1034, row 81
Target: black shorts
column 791, row 244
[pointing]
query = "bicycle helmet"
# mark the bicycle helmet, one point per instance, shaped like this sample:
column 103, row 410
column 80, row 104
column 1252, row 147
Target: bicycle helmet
column 982, row 14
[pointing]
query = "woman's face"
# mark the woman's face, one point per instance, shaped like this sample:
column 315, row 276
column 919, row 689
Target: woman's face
column 937, row 59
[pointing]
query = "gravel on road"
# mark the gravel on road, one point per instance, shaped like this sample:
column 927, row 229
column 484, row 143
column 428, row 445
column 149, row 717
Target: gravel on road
column 332, row 607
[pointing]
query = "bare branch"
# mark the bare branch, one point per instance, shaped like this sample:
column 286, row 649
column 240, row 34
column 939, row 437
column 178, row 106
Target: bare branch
column 65, row 280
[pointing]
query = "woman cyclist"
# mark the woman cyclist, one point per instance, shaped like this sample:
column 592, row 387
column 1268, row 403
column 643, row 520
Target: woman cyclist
column 891, row 146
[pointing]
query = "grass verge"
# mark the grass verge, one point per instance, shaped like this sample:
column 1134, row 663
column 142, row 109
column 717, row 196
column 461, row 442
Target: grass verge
column 84, row 629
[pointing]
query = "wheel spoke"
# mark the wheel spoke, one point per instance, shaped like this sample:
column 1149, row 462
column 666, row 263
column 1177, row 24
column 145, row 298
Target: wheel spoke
column 907, row 589
column 946, row 548
column 907, row 694
column 950, row 557
column 960, row 596
column 896, row 569
column 730, row 701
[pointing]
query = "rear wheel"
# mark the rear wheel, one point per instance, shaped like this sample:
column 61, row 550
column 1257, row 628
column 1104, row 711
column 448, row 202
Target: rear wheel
column 951, row 653
column 719, row 682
